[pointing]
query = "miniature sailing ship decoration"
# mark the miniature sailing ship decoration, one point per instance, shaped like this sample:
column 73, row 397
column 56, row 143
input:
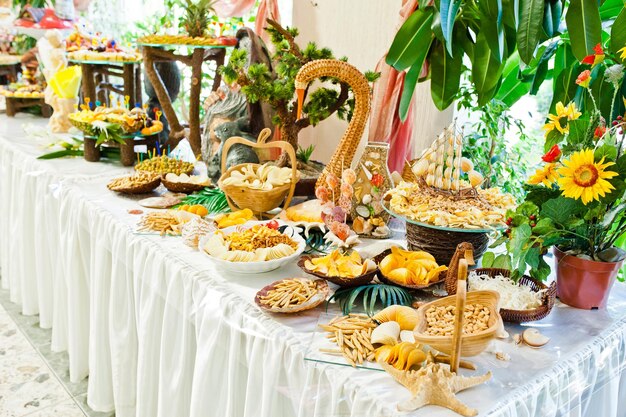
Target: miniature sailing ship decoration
column 442, row 164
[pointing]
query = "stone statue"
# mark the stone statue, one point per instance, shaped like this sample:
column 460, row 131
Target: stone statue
column 238, row 153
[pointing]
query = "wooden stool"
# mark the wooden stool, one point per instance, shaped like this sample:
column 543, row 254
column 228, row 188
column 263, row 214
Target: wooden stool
column 96, row 84
column 127, row 150
column 16, row 104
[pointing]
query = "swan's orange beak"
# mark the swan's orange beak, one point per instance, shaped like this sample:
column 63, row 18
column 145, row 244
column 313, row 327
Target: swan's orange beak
column 300, row 93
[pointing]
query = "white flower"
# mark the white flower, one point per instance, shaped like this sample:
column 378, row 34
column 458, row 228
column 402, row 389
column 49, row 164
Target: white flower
column 614, row 74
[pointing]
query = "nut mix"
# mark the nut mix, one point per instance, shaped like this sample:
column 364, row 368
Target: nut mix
column 440, row 320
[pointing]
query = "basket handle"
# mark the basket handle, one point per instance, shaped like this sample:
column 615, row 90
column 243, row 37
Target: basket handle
column 461, row 290
column 262, row 144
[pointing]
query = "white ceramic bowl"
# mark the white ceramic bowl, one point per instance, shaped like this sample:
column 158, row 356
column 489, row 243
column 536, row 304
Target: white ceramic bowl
column 255, row 267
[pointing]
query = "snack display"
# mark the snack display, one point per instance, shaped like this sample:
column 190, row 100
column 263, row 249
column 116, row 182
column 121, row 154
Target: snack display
column 155, row 39
column 198, row 209
column 129, row 121
column 81, row 46
column 338, row 264
column 163, row 164
column 352, row 335
column 405, row 316
column 168, row 222
column 308, row 212
column 419, row 204
column 512, row 295
column 135, row 184
column 257, row 244
column 194, row 229
column 259, row 177
column 23, row 90
column 440, row 319
column 184, row 183
column 233, row 219
column 411, row 267
column 402, row 356
column 292, row 295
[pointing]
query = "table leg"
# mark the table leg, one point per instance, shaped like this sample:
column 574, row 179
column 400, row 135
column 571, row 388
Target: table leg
column 177, row 132
column 194, row 101
column 138, row 85
column 89, row 86
column 129, row 83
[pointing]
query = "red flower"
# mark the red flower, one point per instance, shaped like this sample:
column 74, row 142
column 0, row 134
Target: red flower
column 598, row 49
column 552, row 155
column 377, row 180
column 599, row 132
column 584, row 78
column 596, row 58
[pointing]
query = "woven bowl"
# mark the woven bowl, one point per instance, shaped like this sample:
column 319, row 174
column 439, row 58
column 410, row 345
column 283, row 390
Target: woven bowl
column 383, row 278
column 259, row 201
column 519, row 316
column 472, row 344
column 341, row 281
column 182, row 187
column 145, row 188
column 322, row 293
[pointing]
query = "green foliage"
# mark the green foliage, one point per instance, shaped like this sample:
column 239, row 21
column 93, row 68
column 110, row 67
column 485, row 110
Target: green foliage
column 196, row 19
column 304, row 154
column 370, row 294
column 490, row 33
column 213, row 199
column 277, row 88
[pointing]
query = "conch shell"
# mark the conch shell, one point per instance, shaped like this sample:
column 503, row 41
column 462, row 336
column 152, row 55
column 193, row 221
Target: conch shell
column 405, row 316
column 386, row 333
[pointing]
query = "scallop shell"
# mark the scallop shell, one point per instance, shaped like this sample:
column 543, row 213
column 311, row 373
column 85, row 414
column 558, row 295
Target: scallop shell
column 194, row 229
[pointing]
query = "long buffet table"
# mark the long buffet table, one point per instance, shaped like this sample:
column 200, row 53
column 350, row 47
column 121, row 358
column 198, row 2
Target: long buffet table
column 160, row 331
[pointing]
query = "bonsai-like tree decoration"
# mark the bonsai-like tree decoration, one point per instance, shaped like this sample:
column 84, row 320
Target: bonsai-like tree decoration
column 276, row 85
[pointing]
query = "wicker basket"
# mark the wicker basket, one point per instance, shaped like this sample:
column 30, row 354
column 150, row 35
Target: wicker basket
column 182, row 187
column 259, row 201
column 378, row 259
column 519, row 316
column 442, row 243
column 471, row 344
column 145, row 188
column 314, row 301
column 341, row 281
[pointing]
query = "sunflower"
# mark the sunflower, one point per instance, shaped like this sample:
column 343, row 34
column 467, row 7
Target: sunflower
column 560, row 121
column 622, row 53
column 582, row 178
column 545, row 175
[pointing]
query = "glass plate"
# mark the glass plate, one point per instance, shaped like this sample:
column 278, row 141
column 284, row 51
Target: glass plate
column 177, row 45
column 102, row 62
column 447, row 229
column 319, row 341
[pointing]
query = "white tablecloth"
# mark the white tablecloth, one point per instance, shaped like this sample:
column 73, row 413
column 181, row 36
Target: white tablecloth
column 161, row 332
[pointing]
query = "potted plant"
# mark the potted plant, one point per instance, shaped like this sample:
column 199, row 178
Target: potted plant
column 576, row 201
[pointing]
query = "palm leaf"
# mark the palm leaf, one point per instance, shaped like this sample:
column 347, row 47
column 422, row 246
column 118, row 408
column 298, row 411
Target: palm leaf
column 371, row 293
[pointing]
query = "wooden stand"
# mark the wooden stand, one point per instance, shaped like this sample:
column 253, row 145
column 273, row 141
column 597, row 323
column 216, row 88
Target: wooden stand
column 152, row 55
column 127, row 150
column 16, row 104
column 96, row 84
column 9, row 71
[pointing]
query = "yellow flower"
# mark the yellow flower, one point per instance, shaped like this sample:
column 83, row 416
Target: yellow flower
column 545, row 175
column 582, row 178
column 560, row 121
column 623, row 53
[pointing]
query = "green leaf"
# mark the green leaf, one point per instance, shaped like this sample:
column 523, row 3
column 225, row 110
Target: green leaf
column 565, row 87
column 608, row 152
column 584, row 26
column 491, row 25
column 448, row 10
column 519, row 237
column 412, row 42
column 410, row 80
column 445, row 76
column 513, row 87
column 487, row 259
column 560, row 209
column 618, row 32
column 554, row 138
column 61, row 154
column 577, row 131
column 542, row 67
column 538, row 194
column 552, row 17
column 564, row 58
column 529, row 30
column 532, row 257
column 610, row 9
column 502, row 261
column 486, row 70
column 543, row 227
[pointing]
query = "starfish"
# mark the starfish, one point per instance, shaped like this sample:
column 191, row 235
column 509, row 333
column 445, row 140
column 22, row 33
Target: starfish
column 434, row 384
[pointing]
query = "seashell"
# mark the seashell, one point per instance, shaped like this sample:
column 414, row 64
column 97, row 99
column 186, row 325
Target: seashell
column 430, row 179
column 381, row 231
column 432, row 156
column 363, row 211
column 420, row 168
column 439, row 171
column 386, row 333
column 533, row 338
column 405, row 316
column 374, row 155
column 439, row 182
column 456, row 174
column 466, row 165
column 362, row 226
column 447, row 173
column 475, row 178
column 450, row 160
column 432, row 167
column 194, row 229
column 367, row 198
column 446, row 183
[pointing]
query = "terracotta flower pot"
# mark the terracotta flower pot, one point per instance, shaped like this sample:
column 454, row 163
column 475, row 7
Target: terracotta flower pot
column 582, row 283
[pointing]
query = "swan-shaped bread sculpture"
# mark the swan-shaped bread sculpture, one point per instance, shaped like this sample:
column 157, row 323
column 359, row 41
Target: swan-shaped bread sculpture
column 346, row 73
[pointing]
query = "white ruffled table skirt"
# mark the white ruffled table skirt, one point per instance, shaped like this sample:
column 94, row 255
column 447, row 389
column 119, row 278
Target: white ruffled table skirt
column 161, row 332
